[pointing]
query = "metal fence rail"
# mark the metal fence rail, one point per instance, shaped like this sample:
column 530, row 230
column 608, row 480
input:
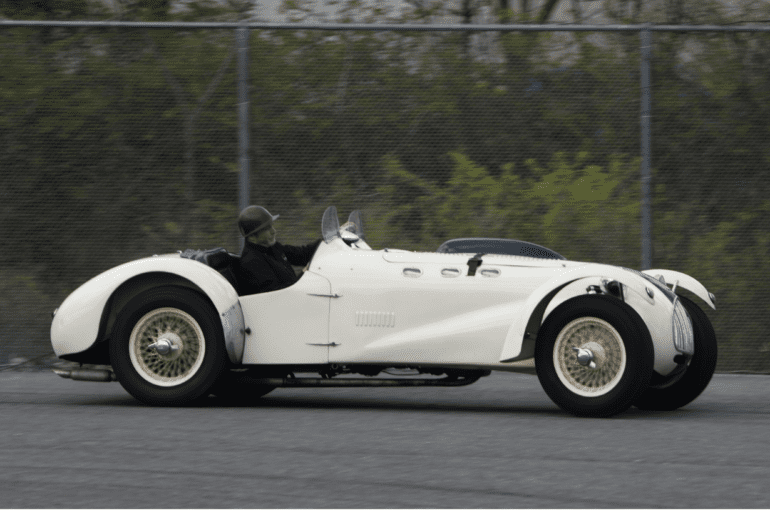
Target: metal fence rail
column 406, row 119
column 390, row 27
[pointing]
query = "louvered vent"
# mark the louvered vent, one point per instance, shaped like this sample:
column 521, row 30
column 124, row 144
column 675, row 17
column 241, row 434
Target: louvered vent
column 376, row 319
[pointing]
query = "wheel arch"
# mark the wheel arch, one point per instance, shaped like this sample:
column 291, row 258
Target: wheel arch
column 686, row 282
column 522, row 335
column 134, row 286
column 94, row 306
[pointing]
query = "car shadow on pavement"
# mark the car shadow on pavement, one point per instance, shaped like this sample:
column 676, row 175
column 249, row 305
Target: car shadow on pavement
column 390, row 404
column 347, row 403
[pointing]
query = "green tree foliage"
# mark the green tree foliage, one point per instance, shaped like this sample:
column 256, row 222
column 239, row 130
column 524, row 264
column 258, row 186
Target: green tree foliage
column 601, row 204
column 49, row 9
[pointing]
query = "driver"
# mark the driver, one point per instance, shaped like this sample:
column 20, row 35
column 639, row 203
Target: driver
column 265, row 264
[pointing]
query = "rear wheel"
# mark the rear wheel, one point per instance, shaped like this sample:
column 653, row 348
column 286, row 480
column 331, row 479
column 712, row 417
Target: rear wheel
column 168, row 347
column 699, row 371
column 594, row 356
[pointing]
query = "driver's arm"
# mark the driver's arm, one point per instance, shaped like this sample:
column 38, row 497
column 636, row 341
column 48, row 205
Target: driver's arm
column 300, row 255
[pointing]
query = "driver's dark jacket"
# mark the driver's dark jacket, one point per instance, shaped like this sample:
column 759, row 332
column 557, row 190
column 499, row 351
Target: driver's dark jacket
column 262, row 269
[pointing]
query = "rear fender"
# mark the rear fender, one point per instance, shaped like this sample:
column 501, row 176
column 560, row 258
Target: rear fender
column 520, row 341
column 686, row 282
column 87, row 315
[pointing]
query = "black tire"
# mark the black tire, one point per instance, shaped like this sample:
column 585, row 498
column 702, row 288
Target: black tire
column 235, row 388
column 177, row 317
column 622, row 351
column 699, row 371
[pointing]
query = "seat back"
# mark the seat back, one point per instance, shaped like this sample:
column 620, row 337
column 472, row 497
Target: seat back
column 218, row 258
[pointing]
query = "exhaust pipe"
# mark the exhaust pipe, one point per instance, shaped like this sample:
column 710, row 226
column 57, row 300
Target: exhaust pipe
column 100, row 375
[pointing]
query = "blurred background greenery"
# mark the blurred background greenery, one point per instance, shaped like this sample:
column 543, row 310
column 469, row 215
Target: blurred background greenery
column 122, row 143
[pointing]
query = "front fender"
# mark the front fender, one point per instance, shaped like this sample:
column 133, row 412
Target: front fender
column 686, row 282
column 75, row 326
column 521, row 336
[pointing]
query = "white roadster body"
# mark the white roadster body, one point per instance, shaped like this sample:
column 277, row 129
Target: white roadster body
column 360, row 310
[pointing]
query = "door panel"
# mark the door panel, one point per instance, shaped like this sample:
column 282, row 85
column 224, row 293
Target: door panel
column 290, row 325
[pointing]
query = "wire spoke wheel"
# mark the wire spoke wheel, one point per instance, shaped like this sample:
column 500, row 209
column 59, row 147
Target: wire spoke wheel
column 167, row 347
column 594, row 356
column 607, row 353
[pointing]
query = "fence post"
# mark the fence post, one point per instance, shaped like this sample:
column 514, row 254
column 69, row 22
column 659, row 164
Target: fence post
column 646, row 150
column 242, row 35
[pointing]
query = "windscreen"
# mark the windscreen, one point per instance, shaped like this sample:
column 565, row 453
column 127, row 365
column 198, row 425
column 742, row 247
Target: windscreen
column 330, row 225
column 358, row 223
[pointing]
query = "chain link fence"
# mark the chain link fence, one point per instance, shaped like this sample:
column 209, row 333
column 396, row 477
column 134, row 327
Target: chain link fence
column 120, row 141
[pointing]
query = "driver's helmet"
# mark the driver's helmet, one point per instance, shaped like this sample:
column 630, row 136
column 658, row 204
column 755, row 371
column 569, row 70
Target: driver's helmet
column 254, row 219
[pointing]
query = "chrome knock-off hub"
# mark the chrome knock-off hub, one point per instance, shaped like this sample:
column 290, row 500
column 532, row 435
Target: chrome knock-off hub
column 168, row 344
column 585, row 357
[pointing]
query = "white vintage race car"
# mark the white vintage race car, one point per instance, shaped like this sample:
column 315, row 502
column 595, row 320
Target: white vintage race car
column 600, row 338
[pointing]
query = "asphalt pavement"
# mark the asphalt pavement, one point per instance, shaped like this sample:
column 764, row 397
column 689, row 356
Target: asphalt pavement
column 499, row 443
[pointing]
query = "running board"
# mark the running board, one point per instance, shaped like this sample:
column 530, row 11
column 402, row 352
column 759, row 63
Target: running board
column 359, row 382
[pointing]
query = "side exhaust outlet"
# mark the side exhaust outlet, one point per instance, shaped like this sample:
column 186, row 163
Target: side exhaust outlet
column 87, row 374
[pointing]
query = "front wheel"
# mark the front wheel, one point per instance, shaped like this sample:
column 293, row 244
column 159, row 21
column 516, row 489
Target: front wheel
column 698, row 373
column 594, row 356
column 168, row 347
